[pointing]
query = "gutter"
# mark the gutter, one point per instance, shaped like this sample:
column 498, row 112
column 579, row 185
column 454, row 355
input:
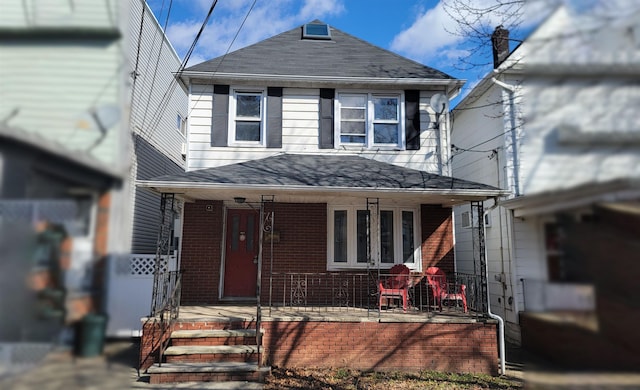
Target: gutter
column 455, row 84
column 158, row 185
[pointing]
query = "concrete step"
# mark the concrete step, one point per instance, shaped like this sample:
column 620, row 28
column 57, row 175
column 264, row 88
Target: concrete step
column 229, row 385
column 210, row 349
column 213, row 337
column 206, row 372
column 211, row 353
column 213, row 333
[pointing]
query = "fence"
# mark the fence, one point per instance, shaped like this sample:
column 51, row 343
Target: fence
column 130, row 284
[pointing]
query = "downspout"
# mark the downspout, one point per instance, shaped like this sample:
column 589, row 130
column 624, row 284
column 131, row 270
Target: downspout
column 512, row 118
column 492, row 315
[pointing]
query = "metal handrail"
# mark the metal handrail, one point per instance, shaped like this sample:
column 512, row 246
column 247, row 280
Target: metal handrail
column 169, row 304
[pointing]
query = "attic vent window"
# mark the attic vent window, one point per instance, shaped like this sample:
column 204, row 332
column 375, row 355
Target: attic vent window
column 316, row 31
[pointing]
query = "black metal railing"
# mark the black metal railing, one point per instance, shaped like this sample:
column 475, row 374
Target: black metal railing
column 344, row 291
column 166, row 305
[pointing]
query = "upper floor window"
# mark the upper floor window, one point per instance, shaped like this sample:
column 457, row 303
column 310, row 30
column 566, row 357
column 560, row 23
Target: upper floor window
column 247, row 117
column 370, row 119
column 181, row 124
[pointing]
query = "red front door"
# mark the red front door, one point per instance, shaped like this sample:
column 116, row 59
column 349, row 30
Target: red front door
column 241, row 255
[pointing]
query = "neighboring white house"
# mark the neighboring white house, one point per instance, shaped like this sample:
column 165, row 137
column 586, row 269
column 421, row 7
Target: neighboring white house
column 576, row 133
column 93, row 80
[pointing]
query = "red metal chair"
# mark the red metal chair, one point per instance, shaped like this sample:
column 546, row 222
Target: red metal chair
column 396, row 286
column 442, row 290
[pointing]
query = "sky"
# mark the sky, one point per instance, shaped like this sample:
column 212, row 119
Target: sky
column 417, row 29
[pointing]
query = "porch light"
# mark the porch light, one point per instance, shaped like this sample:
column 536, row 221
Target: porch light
column 239, row 199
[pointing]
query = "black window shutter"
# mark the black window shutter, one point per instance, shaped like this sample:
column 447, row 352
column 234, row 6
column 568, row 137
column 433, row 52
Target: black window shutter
column 274, row 117
column 326, row 118
column 220, row 116
column 412, row 119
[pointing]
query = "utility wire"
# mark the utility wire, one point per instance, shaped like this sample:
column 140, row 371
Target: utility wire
column 166, row 97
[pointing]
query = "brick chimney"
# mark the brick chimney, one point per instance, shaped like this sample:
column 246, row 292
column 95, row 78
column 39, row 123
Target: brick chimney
column 500, row 43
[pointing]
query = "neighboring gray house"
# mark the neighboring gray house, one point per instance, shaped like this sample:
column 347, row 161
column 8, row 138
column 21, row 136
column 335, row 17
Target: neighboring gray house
column 88, row 81
column 564, row 235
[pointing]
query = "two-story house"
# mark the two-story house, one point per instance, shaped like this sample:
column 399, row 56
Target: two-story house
column 315, row 162
column 561, row 263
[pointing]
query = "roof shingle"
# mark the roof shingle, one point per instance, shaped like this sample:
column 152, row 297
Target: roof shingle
column 342, row 56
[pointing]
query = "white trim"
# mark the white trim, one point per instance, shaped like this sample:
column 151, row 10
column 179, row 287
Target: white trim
column 233, row 93
column 369, row 119
column 292, row 79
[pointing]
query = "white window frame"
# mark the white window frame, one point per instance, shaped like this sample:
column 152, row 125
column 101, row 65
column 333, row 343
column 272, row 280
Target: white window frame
column 369, row 119
column 181, row 123
column 352, row 250
column 233, row 94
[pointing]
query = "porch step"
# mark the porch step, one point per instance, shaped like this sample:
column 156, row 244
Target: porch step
column 208, row 372
column 213, row 337
column 210, row 353
column 213, row 333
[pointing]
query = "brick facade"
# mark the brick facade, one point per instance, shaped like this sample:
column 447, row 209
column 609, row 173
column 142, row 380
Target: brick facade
column 301, row 247
column 437, row 237
column 201, row 251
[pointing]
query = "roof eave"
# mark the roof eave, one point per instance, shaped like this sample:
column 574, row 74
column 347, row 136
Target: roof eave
column 307, row 81
column 463, row 194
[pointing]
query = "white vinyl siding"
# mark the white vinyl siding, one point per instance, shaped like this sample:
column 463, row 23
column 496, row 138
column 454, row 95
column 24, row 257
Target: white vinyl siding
column 300, row 121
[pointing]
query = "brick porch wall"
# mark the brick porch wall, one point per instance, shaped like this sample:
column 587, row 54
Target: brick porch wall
column 201, row 251
column 437, row 237
column 383, row 346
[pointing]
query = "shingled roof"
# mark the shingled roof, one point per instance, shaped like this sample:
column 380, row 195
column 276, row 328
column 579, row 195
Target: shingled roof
column 342, row 56
column 299, row 171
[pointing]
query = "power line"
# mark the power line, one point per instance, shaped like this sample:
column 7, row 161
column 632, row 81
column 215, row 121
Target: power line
column 164, row 101
column 226, row 52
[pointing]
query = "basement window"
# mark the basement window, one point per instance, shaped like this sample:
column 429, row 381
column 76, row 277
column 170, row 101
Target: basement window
column 316, row 31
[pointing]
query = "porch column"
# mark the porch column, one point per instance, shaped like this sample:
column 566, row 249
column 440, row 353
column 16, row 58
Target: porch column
column 479, row 252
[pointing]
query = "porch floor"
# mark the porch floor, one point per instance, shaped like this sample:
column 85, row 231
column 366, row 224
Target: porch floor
column 325, row 314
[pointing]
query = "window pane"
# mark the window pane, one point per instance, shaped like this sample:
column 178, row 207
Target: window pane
column 362, row 235
column 352, row 113
column 247, row 131
column 353, row 101
column 250, row 232
column 352, row 127
column 386, row 236
column 407, row 237
column 385, row 133
column 235, row 232
column 340, row 236
column 352, row 139
column 248, row 106
column 385, row 108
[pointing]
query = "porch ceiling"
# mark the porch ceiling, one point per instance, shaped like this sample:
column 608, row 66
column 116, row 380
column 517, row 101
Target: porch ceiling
column 303, row 178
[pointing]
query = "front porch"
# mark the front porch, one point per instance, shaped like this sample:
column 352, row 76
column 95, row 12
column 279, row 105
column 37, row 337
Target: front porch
column 324, row 337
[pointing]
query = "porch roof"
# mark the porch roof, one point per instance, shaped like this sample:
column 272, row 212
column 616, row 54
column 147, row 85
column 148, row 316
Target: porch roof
column 321, row 175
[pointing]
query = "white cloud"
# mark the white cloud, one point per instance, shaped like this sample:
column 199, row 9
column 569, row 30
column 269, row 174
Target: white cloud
column 427, row 34
column 433, row 33
column 267, row 18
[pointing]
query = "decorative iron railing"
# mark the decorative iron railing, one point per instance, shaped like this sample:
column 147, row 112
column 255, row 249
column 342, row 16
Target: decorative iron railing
column 167, row 301
column 344, row 291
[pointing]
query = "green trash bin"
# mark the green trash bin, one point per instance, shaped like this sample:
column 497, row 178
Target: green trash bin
column 92, row 334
